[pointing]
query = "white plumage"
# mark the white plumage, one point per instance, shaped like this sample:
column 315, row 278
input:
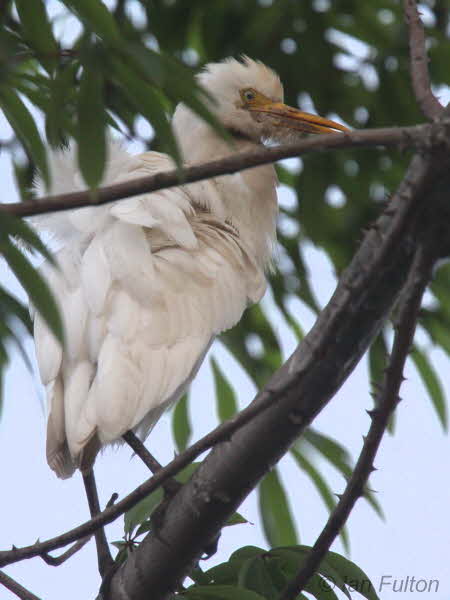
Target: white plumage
column 146, row 283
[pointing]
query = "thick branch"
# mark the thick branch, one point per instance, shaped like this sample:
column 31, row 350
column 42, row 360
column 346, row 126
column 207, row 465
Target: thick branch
column 385, row 403
column 407, row 137
column 429, row 104
column 17, row 589
column 298, row 391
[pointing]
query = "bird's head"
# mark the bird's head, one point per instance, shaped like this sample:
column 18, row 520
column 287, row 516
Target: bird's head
column 249, row 101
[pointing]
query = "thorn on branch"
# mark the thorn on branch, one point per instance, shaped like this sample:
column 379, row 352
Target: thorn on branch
column 112, row 500
column 428, row 103
column 373, row 413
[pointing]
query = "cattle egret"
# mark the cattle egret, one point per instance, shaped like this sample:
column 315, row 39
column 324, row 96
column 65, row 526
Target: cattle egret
column 146, row 283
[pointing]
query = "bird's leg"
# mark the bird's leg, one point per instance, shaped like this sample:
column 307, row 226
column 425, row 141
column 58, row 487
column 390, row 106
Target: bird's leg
column 171, row 485
column 105, row 560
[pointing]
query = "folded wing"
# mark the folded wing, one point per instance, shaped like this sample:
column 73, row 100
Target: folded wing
column 144, row 285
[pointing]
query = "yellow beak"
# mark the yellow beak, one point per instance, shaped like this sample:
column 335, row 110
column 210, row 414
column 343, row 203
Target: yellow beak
column 292, row 118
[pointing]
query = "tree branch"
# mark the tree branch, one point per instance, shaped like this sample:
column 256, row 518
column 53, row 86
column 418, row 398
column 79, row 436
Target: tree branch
column 405, row 137
column 112, row 512
column 56, row 561
column 429, row 104
column 298, row 391
column 385, row 404
column 17, row 589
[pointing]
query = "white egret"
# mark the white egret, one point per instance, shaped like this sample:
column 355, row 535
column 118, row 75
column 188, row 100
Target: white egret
column 145, row 284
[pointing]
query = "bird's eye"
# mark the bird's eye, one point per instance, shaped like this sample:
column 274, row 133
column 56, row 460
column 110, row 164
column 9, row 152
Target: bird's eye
column 249, row 95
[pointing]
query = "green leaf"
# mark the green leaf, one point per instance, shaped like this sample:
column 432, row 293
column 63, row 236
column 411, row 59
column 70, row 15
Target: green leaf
column 10, row 306
column 91, row 135
column 220, row 592
column 177, row 81
column 246, row 552
column 182, row 87
column 294, row 557
column 340, row 459
column 320, row 588
column 321, row 487
column 334, row 452
column 20, row 229
column 280, row 299
column 440, row 286
column 143, row 528
column 200, row 577
column 23, row 124
column 353, row 575
column 38, row 32
column 255, row 576
column 59, row 118
column 8, row 333
column 236, row 519
column 149, row 102
column 143, row 510
column 96, row 15
column 181, row 426
column 225, row 574
column 378, row 357
column 437, row 324
column 279, row 527
column 225, row 396
column 432, row 384
column 35, row 286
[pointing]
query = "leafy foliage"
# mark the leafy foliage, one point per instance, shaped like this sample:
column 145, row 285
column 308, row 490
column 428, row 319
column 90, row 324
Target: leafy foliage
column 12, row 233
column 132, row 64
column 255, row 573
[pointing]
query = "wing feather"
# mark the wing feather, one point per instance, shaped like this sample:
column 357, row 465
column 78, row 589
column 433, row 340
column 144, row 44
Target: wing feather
column 144, row 286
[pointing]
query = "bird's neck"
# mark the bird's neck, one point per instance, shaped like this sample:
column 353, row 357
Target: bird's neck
column 199, row 143
column 248, row 198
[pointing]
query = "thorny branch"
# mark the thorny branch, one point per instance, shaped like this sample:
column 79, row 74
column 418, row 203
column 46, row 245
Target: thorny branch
column 429, row 105
column 298, row 391
column 385, row 403
column 410, row 137
column 17, row 589
column 221, row 432
column 403, row 137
